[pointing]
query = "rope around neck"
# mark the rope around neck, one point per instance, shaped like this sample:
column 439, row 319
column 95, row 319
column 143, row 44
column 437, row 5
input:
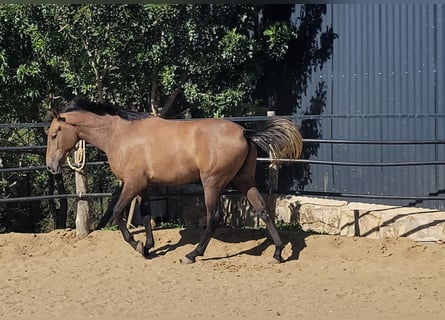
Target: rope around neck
column 79, row 157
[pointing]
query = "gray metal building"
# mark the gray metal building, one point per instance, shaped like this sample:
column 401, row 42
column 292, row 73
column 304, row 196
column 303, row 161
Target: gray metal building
column 385, row 81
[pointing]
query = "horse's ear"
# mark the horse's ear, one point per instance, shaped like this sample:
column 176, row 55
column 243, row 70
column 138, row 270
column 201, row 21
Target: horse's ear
column 54, row 114
column 51, row 114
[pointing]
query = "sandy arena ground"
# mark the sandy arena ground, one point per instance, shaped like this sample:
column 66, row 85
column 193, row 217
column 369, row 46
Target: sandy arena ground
column 56, row 276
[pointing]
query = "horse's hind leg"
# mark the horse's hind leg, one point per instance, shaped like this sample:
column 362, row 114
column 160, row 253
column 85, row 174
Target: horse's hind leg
column 211, row 196
column 245, row 181
column 127, row 194
column 257, row 201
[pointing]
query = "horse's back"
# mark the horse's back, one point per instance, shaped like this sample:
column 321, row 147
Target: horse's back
column 196, row 130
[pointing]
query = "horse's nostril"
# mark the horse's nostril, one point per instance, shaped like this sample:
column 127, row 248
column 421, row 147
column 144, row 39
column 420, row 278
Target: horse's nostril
column 48, row 168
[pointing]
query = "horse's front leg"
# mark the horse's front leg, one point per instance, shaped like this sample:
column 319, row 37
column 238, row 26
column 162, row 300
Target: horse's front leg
column 211, row 195
column 129, row 191
column 146, row 220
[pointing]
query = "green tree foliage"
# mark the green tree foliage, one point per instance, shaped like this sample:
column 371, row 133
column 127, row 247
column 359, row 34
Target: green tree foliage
column 210, row 60
column 291, row 51
column 21, row 92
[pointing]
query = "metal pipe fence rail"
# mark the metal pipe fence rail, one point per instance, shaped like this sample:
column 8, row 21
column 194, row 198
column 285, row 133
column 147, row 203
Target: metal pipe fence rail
column 84, row 196
column 308, row 161
column 337, row 141
column 57, row 196
column 265, row 118
column 257, row 119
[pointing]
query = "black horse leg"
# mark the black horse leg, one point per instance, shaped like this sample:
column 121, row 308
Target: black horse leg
column 125, row 197
column 273, row 232
column 257, row 201
column 213, row 217
column 146, row 220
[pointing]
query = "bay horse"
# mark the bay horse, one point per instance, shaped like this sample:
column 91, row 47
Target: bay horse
column 144, row 149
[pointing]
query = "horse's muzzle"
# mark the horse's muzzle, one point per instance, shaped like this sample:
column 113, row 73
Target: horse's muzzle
column 54, row 165
column 53, row 170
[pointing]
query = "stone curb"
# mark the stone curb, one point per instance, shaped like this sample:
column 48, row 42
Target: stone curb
column 338, row 217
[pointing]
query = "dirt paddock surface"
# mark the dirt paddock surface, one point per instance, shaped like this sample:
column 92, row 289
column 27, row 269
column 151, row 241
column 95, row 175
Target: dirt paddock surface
column 56, row 276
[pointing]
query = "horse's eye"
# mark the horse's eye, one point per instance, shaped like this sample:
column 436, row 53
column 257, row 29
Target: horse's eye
column 53, row 136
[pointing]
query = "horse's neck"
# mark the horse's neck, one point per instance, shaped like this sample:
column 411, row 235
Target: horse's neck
column 94, row 129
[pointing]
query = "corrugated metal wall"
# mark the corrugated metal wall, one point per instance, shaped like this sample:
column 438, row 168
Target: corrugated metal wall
column 388, row 59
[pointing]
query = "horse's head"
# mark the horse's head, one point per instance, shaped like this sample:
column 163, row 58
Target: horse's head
column 62, row 138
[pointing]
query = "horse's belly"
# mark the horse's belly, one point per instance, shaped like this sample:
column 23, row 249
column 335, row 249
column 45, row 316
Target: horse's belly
column 174, row 174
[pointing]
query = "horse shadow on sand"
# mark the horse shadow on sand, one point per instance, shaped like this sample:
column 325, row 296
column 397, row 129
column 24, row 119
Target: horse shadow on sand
column 296, row 239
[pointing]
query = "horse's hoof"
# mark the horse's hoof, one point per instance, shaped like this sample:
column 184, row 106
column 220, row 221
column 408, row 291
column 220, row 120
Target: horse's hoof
column 187, row 260
column 277, row 260
column 146, row 253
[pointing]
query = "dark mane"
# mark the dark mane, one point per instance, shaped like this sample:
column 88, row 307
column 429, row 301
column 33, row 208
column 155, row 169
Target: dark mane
column 101, row 109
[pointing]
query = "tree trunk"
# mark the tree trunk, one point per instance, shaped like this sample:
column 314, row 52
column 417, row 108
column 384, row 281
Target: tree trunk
column 167, row 109
column 100, row 88
column 154, row 97
column 59, row 213
column 61, row 216
column 51, row 202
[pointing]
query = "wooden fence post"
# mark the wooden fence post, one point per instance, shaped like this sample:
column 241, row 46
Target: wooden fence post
column 273, row 188
column 83, row 220
column 272, row 182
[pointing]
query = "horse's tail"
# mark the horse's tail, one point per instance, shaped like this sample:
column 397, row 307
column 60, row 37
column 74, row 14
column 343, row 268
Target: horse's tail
column 280, row 138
